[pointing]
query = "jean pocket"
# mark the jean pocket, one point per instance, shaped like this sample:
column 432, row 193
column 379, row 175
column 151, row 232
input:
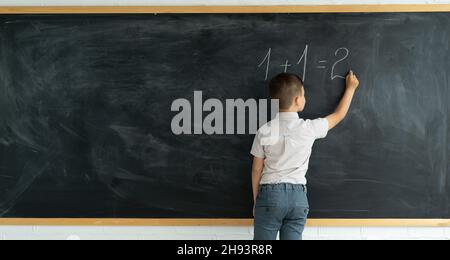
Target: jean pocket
column 301, row 199
column 300, row 213
column 269, row 198
column 268, row 217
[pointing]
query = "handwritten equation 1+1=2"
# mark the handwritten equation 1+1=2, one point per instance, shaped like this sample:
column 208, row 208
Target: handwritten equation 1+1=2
column 340, row 55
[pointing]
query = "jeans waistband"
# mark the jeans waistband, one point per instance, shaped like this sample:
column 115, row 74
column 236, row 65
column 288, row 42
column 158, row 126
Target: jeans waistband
column 284, row 186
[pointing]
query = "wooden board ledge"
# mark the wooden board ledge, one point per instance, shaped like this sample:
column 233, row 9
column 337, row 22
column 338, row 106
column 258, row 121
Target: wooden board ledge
column 221, row 222
column 224, row 9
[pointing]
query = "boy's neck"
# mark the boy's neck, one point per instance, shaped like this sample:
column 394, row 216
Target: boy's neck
column 288, row 111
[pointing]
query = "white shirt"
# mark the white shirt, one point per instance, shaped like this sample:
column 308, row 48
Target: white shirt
column 286, row 144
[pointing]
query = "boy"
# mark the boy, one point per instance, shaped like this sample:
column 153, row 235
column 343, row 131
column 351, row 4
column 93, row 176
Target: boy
column 281, row 158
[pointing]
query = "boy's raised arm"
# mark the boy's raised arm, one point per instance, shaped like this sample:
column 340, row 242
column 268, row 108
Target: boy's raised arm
column 352, row 84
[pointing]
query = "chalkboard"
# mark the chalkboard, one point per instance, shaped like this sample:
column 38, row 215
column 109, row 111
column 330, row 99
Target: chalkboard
column 85, row 112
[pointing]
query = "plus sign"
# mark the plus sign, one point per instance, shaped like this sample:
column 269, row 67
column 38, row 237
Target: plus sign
column 286, row 66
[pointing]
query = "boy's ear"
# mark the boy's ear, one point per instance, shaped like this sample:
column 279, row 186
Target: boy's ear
column 297, row 100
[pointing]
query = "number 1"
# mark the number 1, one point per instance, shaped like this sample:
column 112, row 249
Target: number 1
column 267, row 58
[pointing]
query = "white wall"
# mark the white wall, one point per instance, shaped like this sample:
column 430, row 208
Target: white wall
column 213, row 233
column 226, row 233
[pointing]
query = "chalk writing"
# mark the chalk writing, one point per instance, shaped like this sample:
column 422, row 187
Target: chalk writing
column 301, row 67
column 340, row 50
column 286, row 66
column 304, row 58
column 266, row 59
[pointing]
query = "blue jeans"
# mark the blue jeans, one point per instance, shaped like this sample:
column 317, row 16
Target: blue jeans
column 281, row 208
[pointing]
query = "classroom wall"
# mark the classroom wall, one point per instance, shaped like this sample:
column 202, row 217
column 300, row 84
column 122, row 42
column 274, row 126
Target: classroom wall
column 226, row 233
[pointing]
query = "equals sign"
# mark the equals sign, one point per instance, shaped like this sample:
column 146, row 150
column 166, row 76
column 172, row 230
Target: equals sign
column 321, row 66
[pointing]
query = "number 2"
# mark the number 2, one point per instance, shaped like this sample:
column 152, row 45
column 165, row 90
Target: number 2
column 347, row 53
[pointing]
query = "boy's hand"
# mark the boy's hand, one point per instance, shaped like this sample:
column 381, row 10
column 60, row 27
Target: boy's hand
column 352, row 81
column 342, row 110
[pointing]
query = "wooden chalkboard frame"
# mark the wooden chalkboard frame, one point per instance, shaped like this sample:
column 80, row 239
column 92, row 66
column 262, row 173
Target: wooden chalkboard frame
column 216, row 10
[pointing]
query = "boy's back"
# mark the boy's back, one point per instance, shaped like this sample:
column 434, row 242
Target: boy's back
column 286, row 153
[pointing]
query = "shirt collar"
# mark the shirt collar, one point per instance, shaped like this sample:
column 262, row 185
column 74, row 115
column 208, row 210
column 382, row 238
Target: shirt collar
column 288, row 116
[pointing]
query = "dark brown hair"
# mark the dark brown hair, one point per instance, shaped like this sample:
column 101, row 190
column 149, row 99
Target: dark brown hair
column 285, row 87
